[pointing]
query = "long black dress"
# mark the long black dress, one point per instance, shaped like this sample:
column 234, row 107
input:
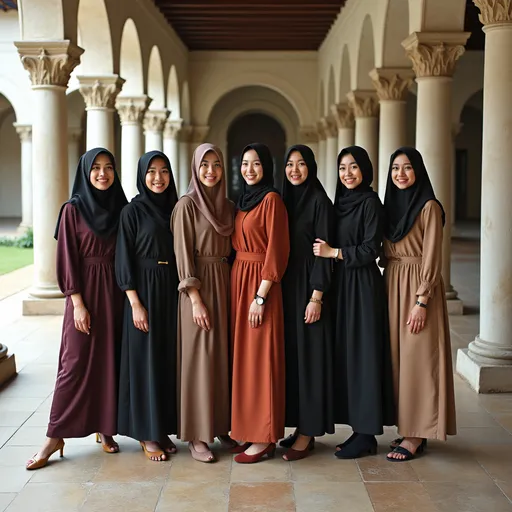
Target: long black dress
column 363, row 379
column 145, row 262
column 308, row 347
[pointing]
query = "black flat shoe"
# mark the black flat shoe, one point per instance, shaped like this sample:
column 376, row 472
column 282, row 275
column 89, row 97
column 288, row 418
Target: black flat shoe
column 407, row 454
column 289, row 441
column 346, row 442
column 362, row 445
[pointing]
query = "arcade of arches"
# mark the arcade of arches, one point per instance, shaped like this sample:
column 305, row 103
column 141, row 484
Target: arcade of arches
column 77, row 74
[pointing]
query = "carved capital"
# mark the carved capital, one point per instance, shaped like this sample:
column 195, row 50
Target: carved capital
column 343, row 115
column 434, row 54
column 493, row 12
column 199, row 134
column 24, row 131
column 131, row 108
column 364, row 103
column 172, row 128
column 329, row 127
column 100, row 91
column 392, row 83
column 154, row 120
column 308, row 134
column 49, row 62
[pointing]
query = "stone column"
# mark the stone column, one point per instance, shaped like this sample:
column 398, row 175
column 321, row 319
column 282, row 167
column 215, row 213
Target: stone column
column 154, row 122
column 391, row 86
column 100, row 93
column 434, row 56
column 184, row 159
column 344, row 117
column 331, row 152
column 171, row 145
column 50, row 64
column 309, row 137
column 131, row 112
column 366, row 112
column 25, row 133
column 74, row 153
column 322, row 146
column 456, row 128
column 487, row 363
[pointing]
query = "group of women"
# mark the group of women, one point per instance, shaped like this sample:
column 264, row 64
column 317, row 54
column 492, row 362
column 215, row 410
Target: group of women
column 196, row 318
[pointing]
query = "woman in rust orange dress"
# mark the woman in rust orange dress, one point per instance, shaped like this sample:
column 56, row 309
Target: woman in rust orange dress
column 262, row 247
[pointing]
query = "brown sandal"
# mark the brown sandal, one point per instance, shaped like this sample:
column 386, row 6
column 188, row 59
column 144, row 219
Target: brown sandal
column 107, row 447
column 152, row 456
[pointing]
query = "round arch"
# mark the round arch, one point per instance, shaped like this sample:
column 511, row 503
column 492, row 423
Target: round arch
column 396, row 29
column 131, row 60
column 365, row 52
column 344, row 75
column 321, row 99
column 173, row 94
column 185, row 103
column 331, row 92
column 156, row 89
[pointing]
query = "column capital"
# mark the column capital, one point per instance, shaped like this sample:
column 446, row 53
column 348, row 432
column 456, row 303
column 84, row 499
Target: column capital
column 329, row 127
column 49, row 62
column 308, row 134
column 493, row 12
column 364, row 103
column 24, row 131
column 435, row 53
column 198, row 134
column 154, row 120
column 343, row 115
column 100, row 91
column 185, row 133
column 392, row 83
column 172, row 128
column 131, row 108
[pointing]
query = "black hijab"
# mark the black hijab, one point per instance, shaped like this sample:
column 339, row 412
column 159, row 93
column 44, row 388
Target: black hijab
column 100, row 209
column 403, row 206
column 346, row 200
column 252, row 195
column 296, row 197
column 158, row 206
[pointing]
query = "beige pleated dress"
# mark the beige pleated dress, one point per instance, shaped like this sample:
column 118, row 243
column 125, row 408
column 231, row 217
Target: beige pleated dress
column 203, row 357
column 422, row 363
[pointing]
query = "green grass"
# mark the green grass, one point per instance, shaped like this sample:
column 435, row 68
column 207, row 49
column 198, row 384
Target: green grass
column 12, row 258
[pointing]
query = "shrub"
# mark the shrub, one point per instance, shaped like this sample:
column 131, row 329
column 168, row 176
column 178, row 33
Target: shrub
column 25, row 241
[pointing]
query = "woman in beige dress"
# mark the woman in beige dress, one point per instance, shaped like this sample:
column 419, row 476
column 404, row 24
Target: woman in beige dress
column 418, row 317
column 202, row 223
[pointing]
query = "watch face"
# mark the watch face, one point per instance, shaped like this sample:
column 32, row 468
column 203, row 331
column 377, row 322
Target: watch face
column 259, row 301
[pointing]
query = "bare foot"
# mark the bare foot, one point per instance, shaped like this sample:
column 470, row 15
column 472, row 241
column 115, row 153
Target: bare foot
column 153, row 446
column 48, row 446
column 256, row 448
column 109, row 441
column 409, row 443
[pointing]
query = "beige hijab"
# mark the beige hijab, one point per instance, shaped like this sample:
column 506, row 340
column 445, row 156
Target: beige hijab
column 211, row 202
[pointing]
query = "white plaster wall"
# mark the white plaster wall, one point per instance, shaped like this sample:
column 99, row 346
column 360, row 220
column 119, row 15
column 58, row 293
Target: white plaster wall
column 10, row 168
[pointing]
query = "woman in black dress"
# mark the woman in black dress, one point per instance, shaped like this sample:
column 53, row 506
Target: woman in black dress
column 146, row 271
column 308, row 334
column 362, row 373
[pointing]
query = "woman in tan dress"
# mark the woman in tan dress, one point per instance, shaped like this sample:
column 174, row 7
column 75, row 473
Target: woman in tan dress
column 202, row 223
column 261, row 241
column 418, row 317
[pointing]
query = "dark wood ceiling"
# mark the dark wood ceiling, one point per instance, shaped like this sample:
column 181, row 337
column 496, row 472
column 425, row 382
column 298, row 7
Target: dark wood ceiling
column 251, row 25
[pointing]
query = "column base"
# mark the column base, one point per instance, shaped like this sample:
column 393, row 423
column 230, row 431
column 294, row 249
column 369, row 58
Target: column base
column 22, row 228
column 7, row 369
column 455, row 306
column 33, row 306
column 482, row 377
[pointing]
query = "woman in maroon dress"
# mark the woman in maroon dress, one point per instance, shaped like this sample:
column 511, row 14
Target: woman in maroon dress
column 85, row 398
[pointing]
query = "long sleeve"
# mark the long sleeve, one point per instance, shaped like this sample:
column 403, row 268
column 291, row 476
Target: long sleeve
column 68, row 255
column 278, row 248
column 184, row 244
column 125, row 250
column 321, row 273
column 368, row 250
column 431, row 261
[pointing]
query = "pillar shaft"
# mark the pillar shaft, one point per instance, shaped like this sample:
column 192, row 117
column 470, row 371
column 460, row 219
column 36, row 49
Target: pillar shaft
column 74, row 138
column 331, row 152
column 184, row 159
column 172, row 145
column 25, row 133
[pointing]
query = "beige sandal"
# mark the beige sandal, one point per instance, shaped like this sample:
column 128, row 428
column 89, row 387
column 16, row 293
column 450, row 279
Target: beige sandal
column 201, row 456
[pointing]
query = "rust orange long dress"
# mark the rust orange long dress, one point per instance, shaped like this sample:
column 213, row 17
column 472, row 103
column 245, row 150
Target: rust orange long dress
column 262, row 247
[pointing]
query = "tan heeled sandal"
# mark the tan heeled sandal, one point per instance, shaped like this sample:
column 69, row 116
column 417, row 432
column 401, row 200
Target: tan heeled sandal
column 107, row 447
column 201, row 456
column 34, row 463
column 160, row 454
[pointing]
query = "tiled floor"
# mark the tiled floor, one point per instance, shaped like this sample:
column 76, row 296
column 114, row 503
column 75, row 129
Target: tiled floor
column 471, row 472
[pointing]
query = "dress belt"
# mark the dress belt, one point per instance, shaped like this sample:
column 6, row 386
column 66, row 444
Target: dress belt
column 211, row 259
column 95, row 260
column 152, row 263
column 258, row 257
column 412, row 260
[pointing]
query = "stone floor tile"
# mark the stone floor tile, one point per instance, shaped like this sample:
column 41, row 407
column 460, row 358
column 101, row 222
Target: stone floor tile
column 475, row 419
column 496, row 460
column 28, row 436
column 16, row 456
column 274, row 470
column 14, row 419
column 378, row 469
column 261, row 497
column 506, row 488
column 37, row 419
column 11, row 404
column 505, row 420
column 469, row 436
column 324, row 468
column 13, row 479
column 5, row 499
column 52, row 497
column 400, row 497
column 185, row 469
column 6, row 433
column 179, row 496
column 332, row 497
column 497, row 404
column 467, row 497
column 126, row 497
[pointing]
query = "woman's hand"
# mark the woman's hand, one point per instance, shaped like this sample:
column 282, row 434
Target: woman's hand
column 140, row 317
column 322, row 249
column 313, row 312
column 256, row 314
column 82, row 319
column 200, row 315
column 417, row 319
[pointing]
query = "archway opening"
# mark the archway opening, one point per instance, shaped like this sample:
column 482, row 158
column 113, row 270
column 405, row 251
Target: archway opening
column 252, row 127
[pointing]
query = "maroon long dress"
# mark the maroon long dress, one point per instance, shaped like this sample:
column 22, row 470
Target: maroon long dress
column 85, row 398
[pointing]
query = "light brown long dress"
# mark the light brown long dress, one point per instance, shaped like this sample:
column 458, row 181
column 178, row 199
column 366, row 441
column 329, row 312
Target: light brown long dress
column 261, row 241
column 422, row 363
column 203, row 356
